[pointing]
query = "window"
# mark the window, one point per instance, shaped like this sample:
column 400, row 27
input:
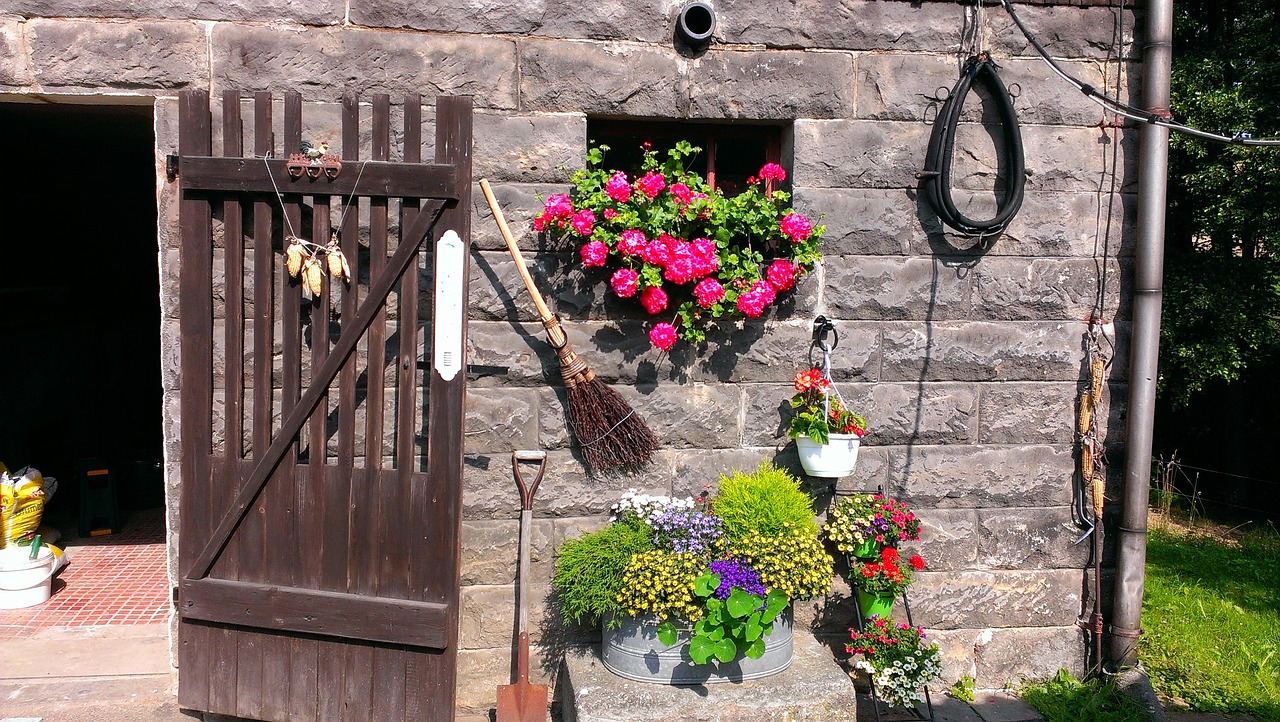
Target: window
column 730, row 153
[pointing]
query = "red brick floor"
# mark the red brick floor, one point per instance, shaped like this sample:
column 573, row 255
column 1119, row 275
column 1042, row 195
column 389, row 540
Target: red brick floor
column 112, row 580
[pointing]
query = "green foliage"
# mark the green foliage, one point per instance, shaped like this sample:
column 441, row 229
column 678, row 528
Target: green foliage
column 1212, row 615
column 1067, row 699
column 962, row 689
column 732, row 626
column 765, row 502
column 589, row 571
column 1222, row 279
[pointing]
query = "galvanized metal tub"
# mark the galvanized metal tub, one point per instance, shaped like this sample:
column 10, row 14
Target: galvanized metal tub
column 634, row 651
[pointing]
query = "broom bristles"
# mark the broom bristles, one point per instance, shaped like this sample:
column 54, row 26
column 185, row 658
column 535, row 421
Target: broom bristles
column 611, row 433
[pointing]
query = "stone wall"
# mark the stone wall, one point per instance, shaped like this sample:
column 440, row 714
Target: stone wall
column 967, row 364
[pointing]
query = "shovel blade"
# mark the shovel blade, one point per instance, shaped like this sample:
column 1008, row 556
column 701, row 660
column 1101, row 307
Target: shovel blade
column 522, row 702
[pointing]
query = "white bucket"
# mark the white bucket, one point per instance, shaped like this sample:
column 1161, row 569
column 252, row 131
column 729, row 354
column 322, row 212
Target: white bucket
column 25, row 582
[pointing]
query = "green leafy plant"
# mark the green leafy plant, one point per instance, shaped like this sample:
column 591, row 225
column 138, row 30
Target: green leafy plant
column 962, row 689
column 731, row 626
column 590, row 570
column 1063, row 698
column 678, row 246
column 819, row 411
column 766, row 501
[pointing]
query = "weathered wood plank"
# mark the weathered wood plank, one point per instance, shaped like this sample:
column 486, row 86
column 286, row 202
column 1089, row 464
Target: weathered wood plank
column 233, row 231
column 254, row 175
column 313, row 611
column 350, row 237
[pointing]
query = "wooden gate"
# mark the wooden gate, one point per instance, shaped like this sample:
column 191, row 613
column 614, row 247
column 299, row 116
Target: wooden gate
column 321, row 492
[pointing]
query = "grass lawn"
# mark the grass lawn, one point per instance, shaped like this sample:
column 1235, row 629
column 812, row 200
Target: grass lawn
column 1212, row 618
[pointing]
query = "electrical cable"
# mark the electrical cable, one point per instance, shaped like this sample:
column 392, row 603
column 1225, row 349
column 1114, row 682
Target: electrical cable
column 1124, row 109
column 935, row 184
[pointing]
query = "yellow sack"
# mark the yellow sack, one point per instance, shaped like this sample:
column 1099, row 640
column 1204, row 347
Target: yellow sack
column 21, row 505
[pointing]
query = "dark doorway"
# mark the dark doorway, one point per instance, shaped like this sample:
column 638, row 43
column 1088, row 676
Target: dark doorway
column 79, row 298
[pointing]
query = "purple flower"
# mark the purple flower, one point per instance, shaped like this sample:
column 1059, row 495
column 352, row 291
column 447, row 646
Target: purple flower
column 734, row 573
column 686, row 530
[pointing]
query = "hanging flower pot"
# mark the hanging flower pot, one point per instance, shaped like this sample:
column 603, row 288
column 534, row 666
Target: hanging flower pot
column 880, row 605
column 834, row 459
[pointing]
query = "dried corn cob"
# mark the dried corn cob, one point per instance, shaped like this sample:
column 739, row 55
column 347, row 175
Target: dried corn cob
column 293, row 255
column 313, row 276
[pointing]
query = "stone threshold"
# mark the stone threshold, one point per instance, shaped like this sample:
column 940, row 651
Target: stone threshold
column 815, row 688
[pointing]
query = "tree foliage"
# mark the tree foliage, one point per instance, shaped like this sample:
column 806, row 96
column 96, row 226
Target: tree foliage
column 1222, row 287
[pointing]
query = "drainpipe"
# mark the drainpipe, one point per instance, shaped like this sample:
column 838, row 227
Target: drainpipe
column 1153, row 163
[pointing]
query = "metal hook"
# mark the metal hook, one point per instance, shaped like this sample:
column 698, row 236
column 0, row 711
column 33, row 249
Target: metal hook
column 821, row 327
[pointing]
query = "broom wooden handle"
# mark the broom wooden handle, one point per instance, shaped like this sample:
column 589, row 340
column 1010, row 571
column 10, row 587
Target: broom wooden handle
column 543, row 312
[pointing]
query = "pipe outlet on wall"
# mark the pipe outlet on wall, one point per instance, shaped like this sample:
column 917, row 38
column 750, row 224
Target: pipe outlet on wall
column 696, row 23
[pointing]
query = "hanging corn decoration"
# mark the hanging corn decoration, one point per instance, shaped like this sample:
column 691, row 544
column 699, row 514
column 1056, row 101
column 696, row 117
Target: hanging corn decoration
column 338, row 267
column 293, row 256
column 313, row 276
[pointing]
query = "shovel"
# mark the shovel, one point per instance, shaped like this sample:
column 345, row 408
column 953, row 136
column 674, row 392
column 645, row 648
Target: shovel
column 524, row 702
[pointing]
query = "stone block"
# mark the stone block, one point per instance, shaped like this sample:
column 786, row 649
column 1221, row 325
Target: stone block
column 1011, row 655
column 916, row 413
column 913, row 87
column 1054, row 160
column 647, row 21
column 877, row 288
column 690, row 416
column 486, row 618
column 699, row 472
column 520, row 203
column 856, row 352
column 66, row 55
column 496, row 291
column 982, row 351
column 481, row 671
column 566, row 489
column 252, row 58
column 609, row 78
column 849, row 24
column 949, row 538
column 303, row 12
column 982, row 476
column 813, row 689
column 957, row 647
column 489, row 551
column 1049, row 224
column 861, row 222
column 957, row 600
column 1030, row 539
column 870, row 474
column 1027, row 413
column 762, row 85
column 767, row 414
column 523, row 351
column 1041, row 289
column 858, row 153
column 501, row 419
column 1065, row 32
column 529, row 148
column 14, row 70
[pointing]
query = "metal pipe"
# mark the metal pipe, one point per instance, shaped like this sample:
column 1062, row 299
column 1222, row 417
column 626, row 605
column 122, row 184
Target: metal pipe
column 1153, row 163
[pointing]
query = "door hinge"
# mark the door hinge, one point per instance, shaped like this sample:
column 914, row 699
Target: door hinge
column 171, row 166
column 175, row 596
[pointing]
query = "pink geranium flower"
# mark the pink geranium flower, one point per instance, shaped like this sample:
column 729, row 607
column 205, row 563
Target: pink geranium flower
column 558, row 206
column 657, row 251
column 651, row 184
column 654, row 299
column 796, row 227
column 624, row 282
column 705, row 261
column 594, row 254
column 632, row 243
column 708, row 292
column 682, row 193
column 681, row 265
column 583, row 222
column 773, row 171
column 618, row 188
column 781, row 274
column 663, row 336
column 610, row 214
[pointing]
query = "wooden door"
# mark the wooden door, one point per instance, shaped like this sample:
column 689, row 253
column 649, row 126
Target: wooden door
column 321, row 435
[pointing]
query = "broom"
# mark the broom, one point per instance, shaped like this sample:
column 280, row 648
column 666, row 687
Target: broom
column 612, row 435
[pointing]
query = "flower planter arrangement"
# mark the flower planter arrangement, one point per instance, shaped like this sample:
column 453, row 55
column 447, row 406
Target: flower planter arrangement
column 867, row 528
column 826, row 431
column 688, row 254
column 698, row 590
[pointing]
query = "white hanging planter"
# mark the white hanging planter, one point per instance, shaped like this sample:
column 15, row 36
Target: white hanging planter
column 831, row 460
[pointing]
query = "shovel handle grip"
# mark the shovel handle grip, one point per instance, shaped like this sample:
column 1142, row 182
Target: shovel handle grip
column 527, row 490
